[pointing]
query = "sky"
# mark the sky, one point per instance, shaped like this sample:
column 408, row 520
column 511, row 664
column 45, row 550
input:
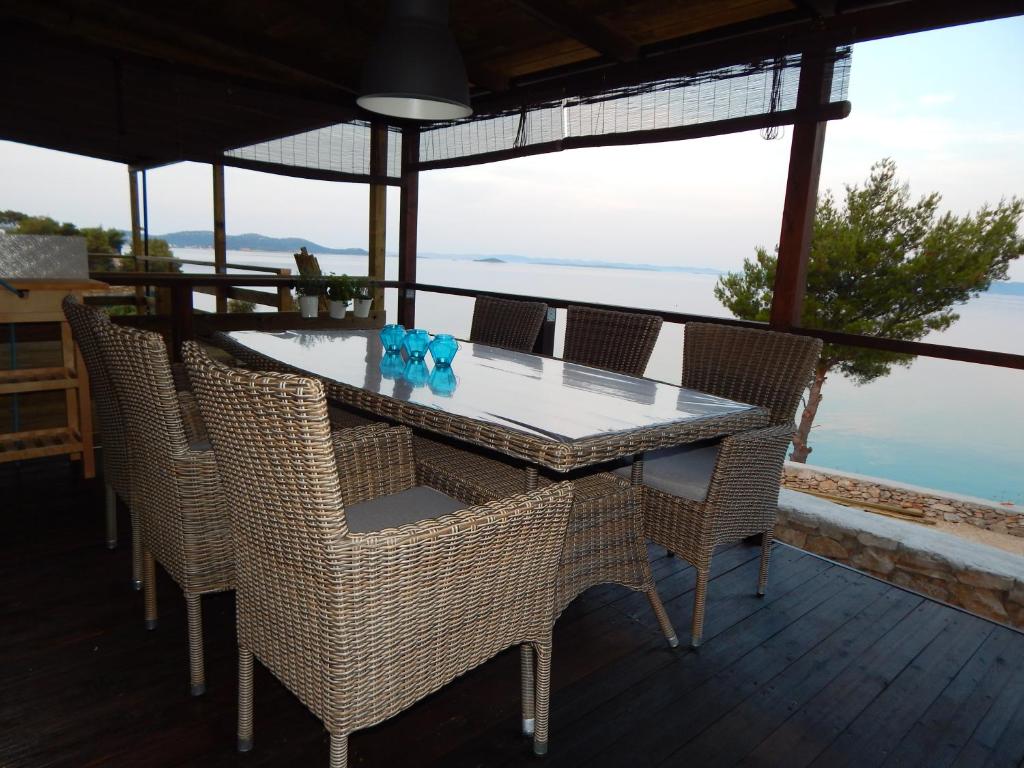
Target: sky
column 947, row 106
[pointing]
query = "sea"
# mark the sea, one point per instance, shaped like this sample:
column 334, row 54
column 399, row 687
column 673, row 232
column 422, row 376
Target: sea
column 952, row 426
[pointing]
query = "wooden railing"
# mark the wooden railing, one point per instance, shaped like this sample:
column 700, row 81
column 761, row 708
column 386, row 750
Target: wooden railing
column 182, row 318
column 281, row 300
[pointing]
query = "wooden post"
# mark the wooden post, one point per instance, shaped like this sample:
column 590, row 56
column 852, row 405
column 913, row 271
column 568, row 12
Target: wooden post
column 801, row 191
column 133, row 200
column 407, row 220
column 181, row 316
column 220, row 241
column 378, row 209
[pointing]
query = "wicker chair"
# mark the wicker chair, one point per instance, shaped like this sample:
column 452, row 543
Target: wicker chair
column 615, row 341
column 508, row 324
column 698, row 497
column 604, row 542
column 341, row 418
column 84, row 321
column 175, row 487
column 358, row 612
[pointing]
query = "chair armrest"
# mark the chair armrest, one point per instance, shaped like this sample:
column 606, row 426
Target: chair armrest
column 373, row 461
column 746, row 479
column 192, row 419
column 441, row 596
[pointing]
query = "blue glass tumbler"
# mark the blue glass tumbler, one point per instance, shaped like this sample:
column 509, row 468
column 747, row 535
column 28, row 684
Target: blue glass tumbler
column 392, row 365
column 443, row 349
column 416, row 343
column 443, row 381
column 416, row 372
column 391, row 336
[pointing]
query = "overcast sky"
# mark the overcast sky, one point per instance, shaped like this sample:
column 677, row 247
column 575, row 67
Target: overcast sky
column 948, row 106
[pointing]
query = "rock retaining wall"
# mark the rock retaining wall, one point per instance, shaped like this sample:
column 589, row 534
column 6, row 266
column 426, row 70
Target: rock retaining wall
column 1001, row 518
column 975, row 577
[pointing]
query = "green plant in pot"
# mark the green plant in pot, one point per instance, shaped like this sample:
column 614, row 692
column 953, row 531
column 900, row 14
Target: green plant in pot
column 309, row 291
column 363, row 297
column 340, row 290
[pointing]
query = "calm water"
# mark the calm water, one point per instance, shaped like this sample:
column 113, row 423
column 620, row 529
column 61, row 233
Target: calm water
column 940, row 424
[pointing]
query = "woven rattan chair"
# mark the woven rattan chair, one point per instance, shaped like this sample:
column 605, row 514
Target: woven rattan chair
column 175, row 486
column 84, row 321
column 358, row 613
column 341, row 418
column 615, row 341
column 508, row 324
column 604, row 542
column 698, row 497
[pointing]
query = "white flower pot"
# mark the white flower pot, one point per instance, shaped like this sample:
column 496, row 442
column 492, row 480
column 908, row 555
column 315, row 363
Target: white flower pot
column 362, row 307
column 338, row 309
column 309, row 306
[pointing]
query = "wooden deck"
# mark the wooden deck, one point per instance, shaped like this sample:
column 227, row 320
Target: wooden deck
column 831, row 668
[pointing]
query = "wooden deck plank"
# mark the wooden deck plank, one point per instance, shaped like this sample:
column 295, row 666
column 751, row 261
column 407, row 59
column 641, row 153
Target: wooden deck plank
column 829, row 664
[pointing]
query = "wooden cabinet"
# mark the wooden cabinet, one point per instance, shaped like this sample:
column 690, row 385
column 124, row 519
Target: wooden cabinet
column 40, row 302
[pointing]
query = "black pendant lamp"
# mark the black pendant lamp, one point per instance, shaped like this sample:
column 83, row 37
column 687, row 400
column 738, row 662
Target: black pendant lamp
column 415, row 69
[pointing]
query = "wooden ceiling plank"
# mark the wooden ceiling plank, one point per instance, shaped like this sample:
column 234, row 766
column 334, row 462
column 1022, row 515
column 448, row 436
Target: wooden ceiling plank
column 582, row 27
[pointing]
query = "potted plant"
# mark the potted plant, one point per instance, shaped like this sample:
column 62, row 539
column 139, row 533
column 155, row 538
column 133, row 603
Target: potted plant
column 309, row 290
column 363, row 297
column 339, row 292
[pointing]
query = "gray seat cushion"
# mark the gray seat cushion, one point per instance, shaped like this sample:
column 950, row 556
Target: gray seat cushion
column 395, row 509
column 684, row 471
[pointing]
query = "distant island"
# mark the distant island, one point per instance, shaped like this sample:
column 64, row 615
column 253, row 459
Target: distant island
column 491, row 260
column 250, row 241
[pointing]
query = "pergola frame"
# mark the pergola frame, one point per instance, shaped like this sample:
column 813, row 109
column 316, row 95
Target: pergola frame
column 812, row 30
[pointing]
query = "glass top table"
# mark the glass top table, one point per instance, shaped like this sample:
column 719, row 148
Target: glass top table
column 549, row 412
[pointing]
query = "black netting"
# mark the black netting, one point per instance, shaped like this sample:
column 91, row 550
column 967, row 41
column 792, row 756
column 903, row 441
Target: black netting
column 721, row 94
column 749, row 90
column 344, row 147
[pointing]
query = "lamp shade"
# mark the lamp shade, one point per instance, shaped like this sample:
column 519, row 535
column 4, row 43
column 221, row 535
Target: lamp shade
column 414, row 69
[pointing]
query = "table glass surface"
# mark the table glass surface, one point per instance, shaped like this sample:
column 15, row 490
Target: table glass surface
column 548, row 398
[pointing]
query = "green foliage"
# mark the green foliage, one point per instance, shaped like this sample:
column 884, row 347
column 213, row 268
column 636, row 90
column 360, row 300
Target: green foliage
column 882, row 264
column 361, row 288
column 240, row 306
column 310, row 286
column 98, row 241
column 159, row 249
column 340, row 288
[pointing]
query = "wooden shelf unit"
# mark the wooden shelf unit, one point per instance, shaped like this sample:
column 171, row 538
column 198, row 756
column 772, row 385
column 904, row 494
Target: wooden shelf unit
column 41, row 303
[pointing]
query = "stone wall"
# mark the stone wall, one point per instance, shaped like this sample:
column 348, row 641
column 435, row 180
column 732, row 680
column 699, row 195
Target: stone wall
column 975, row 577
column 1001, row 518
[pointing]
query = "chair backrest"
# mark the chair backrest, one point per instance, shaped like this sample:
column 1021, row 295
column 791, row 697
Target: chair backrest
column 272, row 440
column 507, row 324
column 84, row 322
column 140, row 373
column 615, row 341
column 309, row 266
column 764, row 368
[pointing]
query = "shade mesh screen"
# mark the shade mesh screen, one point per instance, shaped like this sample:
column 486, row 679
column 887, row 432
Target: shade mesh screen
column 344, row 147
column 714, row 95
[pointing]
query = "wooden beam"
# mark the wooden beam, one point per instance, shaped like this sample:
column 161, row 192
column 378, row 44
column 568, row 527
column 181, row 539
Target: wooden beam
column 320, row 174
column 833, row 111
column 220, row 238
column 583, row 27
column 407, row 224
column 805, row 154
column 378, row 209
column 762, row 38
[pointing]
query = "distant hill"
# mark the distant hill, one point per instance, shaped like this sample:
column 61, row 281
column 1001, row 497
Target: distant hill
column 491, row 260
column 250, row 241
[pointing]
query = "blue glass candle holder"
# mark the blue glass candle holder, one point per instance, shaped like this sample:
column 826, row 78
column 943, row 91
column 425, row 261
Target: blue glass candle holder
column 391, row 336
column 416, row 372
column 443, row 349
column 443, row 381
column 416, row 343
column 392, row 365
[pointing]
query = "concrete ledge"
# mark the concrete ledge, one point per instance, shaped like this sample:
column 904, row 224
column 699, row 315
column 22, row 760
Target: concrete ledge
column 978, row 578
column 1000, row 517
